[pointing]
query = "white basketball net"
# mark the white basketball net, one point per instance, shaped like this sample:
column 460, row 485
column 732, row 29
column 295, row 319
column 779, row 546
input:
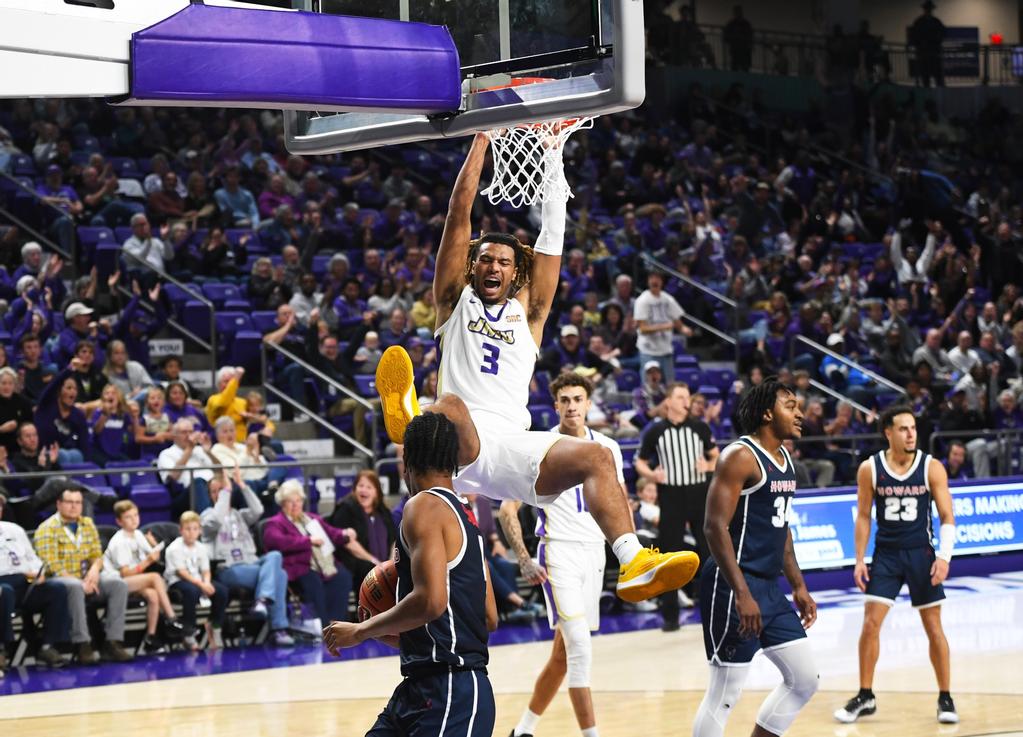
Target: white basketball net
column 528, row 164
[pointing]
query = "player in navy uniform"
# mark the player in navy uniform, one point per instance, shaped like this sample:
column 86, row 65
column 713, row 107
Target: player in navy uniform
column 444, row 601
column 899, row 485
column 742, row 606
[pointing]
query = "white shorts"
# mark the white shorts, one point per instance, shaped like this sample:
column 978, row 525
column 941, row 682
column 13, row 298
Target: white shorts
column 508, row 464
column 575, row 579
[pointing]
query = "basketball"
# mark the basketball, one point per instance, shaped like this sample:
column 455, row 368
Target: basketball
column 377, row 591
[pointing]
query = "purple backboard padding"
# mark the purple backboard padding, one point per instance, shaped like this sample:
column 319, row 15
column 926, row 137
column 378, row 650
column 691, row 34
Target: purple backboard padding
column 214, row 54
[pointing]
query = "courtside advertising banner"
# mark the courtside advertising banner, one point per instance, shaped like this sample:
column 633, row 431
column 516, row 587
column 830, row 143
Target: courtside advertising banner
column 989, row 519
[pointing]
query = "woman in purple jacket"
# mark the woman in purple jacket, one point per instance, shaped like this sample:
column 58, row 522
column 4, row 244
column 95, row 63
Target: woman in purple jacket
column 308, row 545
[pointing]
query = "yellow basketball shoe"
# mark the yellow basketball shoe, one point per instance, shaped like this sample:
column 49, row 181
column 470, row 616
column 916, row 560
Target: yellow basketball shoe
column 396, row 387
column 652, row 573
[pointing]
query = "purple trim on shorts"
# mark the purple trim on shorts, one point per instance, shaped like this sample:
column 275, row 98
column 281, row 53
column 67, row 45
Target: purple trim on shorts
column 541, row 551
column 542, row 532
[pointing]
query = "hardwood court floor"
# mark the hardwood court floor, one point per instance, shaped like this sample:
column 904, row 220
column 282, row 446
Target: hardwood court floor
column 645, row 683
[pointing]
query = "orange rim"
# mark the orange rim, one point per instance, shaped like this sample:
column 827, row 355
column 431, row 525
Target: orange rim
column 521, row 82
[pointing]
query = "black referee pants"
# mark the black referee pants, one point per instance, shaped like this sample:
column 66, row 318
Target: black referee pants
column 679, row 505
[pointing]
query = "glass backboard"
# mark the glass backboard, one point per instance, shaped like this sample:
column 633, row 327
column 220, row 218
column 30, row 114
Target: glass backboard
column 590, row 51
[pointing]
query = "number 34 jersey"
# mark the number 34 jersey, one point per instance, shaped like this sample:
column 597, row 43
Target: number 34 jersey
column 760, row 525
column 902, row 502
column 487, row 359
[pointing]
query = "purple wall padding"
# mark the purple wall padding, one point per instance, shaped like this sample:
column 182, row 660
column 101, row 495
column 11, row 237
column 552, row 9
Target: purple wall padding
column 215, row 55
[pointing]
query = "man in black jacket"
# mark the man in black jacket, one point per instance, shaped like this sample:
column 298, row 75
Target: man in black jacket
column 326, row 356
column 44, row 491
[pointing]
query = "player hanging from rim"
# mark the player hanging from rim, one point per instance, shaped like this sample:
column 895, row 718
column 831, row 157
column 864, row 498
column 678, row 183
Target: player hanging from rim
column 493, row 297
column 900, row 483
column 444, row 602
column 743, row 608
column 571, row 570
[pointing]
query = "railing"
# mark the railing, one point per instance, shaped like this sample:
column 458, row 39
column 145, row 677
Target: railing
column 717, row 296
column 874, row 376
column 1009, row 441
column 295, row 404
column 31, row 229
column 211, row 345
column 307, row 463
column 789, row 54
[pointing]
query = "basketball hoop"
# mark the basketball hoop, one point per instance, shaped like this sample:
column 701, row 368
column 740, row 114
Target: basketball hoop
column 528, row 163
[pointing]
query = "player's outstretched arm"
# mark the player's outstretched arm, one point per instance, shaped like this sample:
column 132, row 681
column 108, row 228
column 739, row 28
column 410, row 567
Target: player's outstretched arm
column 508, row 517
column 454, row 242
column 427, row 523
column 800, row 595
column 861, row 531
column 737, row 465
column 546, row 274
column 937, row 478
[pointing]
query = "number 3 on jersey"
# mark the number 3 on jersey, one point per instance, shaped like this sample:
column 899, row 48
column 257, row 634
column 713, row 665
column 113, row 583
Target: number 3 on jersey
column 783, row 511
column 491, row 354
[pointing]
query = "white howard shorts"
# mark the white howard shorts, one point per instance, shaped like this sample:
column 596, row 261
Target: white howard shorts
column 508, row 464
column 575, row 578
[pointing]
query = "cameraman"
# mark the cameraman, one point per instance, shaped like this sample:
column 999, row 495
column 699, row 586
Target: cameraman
column 190, row 450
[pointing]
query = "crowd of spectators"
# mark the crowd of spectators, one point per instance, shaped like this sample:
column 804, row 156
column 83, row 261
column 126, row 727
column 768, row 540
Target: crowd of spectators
column 899, row 248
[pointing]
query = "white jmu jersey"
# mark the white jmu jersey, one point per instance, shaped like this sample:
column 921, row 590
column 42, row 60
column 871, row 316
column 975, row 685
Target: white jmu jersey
column 567, row 517
column 487, row 360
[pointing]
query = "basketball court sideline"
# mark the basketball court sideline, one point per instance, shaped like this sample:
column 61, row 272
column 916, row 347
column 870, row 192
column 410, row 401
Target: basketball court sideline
column 341, row 698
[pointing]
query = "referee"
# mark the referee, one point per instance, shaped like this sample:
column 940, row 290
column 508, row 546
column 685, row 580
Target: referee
column 678, row 453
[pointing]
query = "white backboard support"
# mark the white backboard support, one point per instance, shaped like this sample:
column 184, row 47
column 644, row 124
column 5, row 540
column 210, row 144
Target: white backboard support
column 601, row 73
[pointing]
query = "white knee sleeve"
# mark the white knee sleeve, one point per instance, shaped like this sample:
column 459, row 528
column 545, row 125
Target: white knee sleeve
column 800, row 680
column 723, row 692
column 578, row 650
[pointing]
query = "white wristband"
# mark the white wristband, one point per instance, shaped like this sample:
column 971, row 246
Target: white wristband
column 551, row 240
column 946, row 542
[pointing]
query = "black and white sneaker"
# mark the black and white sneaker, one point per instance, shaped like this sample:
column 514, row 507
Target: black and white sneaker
column 947, row 710
column 858, row 706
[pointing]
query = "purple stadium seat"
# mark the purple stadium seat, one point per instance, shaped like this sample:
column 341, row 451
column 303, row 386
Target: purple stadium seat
column 22, row 165
column 367, row 385
column 264, row 321
column 320, row 263
column 106, row 257
column 91, row 479
column 91, row 235
column 230, row 323
column 238, row 305
column 218, row 293
column 544, row 417
column 710, row 391
column 721, row 378
column 689, row 376
column 196, row 317
column 150, row 498
column 628, row 380
column 245, row 349
column 686, row 360
column 122, row 233
column 124, row 482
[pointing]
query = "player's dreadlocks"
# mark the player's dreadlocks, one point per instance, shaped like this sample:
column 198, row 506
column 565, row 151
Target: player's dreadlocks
column 431, row 444
column 523, row 257
column 749, row 415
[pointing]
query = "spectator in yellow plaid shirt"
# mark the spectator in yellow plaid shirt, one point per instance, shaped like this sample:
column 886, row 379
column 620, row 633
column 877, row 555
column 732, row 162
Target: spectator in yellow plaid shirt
column 68, row 543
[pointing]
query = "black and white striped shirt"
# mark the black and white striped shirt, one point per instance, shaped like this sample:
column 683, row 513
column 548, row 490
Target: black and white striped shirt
column 678, row 448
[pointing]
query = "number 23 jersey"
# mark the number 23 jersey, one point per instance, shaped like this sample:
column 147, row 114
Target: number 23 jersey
column 487, row 360
column 902, row 502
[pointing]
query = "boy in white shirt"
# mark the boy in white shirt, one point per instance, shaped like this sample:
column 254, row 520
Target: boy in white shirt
column 129, row 553
column 188, row 572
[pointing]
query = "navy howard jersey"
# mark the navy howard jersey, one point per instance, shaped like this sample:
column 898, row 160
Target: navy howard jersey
column 760, row 526
column 458, row 637
column 902, row 502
